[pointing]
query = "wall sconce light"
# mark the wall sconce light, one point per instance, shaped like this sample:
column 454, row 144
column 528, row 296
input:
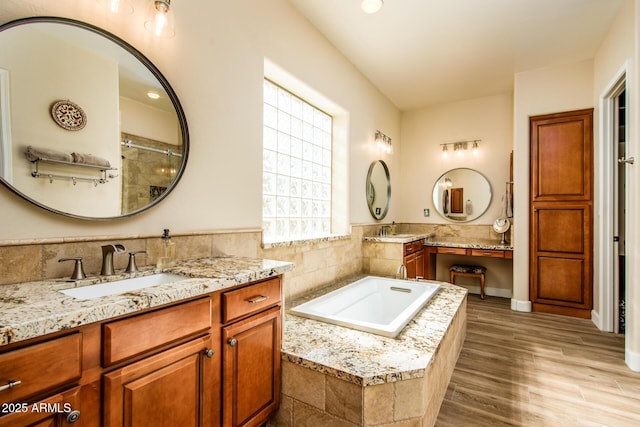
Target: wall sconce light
column 118, row 7
column 160, row 18
column 384, row 142
column 371, row 6
column 460, row 146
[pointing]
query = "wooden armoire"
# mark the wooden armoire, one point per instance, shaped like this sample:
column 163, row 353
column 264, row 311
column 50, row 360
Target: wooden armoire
column 561, row 226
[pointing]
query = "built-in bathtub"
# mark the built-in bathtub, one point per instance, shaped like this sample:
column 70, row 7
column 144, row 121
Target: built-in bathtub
column 373, row 304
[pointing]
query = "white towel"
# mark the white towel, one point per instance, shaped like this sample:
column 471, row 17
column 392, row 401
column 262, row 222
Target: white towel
column 90, row 159
column 34, row 154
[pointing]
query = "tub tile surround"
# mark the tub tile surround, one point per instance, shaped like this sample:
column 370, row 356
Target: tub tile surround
column 339, row 376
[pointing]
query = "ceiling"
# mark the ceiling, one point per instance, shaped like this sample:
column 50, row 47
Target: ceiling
column 426, row 52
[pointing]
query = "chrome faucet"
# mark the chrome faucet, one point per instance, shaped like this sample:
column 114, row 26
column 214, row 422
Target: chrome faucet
column 107, row 258
column 401, row 273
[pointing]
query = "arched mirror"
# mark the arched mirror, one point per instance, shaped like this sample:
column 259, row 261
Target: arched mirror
column 89, row 127
column 461, row 195
column 378, row 191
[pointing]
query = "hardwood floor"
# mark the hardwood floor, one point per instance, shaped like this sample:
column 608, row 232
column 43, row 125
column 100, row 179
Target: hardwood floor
column 535, row 369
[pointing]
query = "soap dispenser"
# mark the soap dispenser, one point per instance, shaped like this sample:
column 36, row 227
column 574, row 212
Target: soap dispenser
column 168, row 257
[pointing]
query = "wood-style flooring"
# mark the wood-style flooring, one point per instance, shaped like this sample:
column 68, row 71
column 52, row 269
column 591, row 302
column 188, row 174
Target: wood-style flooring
column 534, row 369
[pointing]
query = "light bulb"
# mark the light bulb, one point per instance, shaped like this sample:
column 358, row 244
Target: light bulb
column 160, row 19
column 371, row 6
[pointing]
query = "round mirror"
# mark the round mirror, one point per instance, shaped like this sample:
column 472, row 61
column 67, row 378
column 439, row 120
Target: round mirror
column 461, row 195
column 378, row 189
column 89, row 127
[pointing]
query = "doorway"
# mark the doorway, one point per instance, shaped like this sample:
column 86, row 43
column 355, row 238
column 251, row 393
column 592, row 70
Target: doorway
column 619, row 148
column 613, row 201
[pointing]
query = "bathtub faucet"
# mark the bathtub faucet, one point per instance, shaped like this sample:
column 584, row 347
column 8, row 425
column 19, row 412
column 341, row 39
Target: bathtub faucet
column 401, row 273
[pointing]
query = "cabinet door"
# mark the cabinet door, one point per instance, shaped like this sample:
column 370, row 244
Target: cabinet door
column 410, row 264
column 59, row 410
column 420, row 263
column 173, row 388
column 251, row 369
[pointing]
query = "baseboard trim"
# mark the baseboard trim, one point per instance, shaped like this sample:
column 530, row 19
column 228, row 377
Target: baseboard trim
column 596, row 319
column 632, row 359
column 493, row 292
column 517, row 305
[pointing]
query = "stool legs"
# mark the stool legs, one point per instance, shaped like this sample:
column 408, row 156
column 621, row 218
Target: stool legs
column 453, row 274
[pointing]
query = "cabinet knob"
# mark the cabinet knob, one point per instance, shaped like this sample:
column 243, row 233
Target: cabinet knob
column 232, row 342
column 209, row 353
column 73, row 416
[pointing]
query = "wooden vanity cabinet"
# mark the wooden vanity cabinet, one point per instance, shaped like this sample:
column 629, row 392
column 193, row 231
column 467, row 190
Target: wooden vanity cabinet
column 251, row 342
column 43, row 376
column 414, row 259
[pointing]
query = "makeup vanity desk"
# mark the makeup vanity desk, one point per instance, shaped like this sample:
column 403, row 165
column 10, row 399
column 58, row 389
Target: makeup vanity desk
column 461, row 246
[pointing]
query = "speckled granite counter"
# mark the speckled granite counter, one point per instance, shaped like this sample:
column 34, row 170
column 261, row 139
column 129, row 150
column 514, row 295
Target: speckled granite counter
column 461, row 242
column 398, row 238
column 28, row 310
column 367, row 359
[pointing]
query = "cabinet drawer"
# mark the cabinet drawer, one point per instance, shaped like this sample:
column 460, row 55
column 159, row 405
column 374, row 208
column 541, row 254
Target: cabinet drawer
column 453, row 251
column 487, row 253
column 412, row 247
column 40, row 367
column 129, row 337
column 250, row 299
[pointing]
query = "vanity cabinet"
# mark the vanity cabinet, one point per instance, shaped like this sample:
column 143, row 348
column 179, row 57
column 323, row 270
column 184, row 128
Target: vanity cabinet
column 251, row 335
column 414, row 259
column 33, row 380
column 173, row 387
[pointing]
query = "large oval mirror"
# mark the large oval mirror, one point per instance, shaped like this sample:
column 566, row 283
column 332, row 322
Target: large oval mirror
column 80, row 133
column 378, row 190
column 461, row 195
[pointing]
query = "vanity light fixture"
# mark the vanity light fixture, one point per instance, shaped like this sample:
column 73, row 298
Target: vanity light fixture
column 160, row 18
column 118, row 7
column 371, row 6
column 384, row 142
column 460, row 146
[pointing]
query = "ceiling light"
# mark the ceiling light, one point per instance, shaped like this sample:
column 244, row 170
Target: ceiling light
column 153, row 94
column 160, row 18
column 371, row 6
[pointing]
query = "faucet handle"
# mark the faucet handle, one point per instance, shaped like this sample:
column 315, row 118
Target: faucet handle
column 78, row 271
column 132, row 268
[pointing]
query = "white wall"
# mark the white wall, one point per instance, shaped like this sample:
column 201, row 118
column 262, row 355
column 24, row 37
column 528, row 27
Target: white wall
column 550, row 90
column 489, row 119
column 215, row 63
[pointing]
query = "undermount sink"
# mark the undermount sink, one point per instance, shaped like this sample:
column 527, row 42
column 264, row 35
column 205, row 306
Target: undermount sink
column 121, row 286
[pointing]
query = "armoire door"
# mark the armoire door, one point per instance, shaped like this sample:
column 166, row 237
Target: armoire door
column 561, row 233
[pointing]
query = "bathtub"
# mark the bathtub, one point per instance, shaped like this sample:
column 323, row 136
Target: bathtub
column 373, row 304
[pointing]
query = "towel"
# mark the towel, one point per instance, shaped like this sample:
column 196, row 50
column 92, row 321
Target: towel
column 34, row 154
column 90, row 159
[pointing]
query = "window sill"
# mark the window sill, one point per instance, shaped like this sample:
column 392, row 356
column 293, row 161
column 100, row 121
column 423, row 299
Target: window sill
column 304, row 242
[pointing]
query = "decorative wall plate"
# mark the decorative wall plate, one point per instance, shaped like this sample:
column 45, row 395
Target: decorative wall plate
column 68, row 115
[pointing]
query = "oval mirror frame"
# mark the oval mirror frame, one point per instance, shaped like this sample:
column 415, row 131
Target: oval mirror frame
column 161, row 80
column 378, row 189
column 461, row 195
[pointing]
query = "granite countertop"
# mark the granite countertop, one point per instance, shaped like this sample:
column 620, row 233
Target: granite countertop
column 398, row 238
column 33, row 309
column 364, row 358
column 471, row 243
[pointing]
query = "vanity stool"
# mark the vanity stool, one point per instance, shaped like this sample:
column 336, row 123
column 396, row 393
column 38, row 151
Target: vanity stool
column 468, row 271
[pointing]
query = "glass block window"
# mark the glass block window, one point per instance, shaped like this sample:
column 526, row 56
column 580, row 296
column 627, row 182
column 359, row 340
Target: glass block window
column 296, row 178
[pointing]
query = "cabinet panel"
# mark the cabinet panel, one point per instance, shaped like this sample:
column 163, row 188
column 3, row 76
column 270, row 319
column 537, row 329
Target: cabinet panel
column 251, row 366
column 250, row 299
column 129, row 337
column 40, row 367
column 55, row 411
column 170, row 388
